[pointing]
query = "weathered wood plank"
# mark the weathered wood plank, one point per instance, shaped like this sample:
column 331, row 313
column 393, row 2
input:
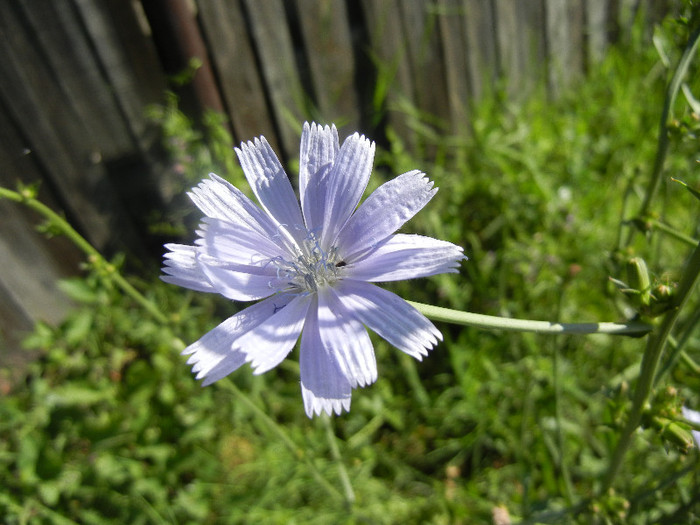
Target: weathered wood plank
column 15, row 325
column 454, row 51
column 565, row 43
column 521, row 45
column 20, row 166
column 273, row 42
column 127, row 55
column 240, row 81
column 329, row 51
column 33, row 276
column 55, row 134
column 597, row 30
column 421, row 38
column 480, row 28
column 394, row 79
column 77, row 74
column 31, row 264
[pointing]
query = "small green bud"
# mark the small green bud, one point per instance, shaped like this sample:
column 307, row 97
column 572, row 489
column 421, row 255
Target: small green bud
column 638, row 279
column 675, row 434
column 663, row 300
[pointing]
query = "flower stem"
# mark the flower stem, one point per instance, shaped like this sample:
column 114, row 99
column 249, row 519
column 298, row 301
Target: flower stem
column 335, row 453
column 94, row 256
column 437, row 313
column 279, row 432
column 663, row 142
column 650, row 362
column 687, row 239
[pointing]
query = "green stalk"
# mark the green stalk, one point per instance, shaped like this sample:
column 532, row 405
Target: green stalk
column 663, row 140
column 687, row 239
column 650, row 363
column 447, row 315
column 279, row 432
column 94, row 257
column 561, row 442
column 335, row 453
column 677, row 348
column 690, row 363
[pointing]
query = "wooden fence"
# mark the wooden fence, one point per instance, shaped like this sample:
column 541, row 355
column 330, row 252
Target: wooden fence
column 77, row 75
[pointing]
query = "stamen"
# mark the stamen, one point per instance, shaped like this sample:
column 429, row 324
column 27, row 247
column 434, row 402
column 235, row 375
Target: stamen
column 313, row 267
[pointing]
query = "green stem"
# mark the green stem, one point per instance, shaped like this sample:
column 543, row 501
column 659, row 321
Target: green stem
column 663, row 140
column 650, row 363
column 561, row 441
column 447, row 315
column 673, row 232
column 677, row 347
column 690, row 363
column 277, row 430
column 94, row 256
column 335, row 453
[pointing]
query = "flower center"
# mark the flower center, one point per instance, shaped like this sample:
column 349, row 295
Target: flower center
column 312, row 268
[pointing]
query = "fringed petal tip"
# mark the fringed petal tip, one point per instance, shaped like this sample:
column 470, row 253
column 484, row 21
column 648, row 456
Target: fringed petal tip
column 181, row 268
column 314, row 406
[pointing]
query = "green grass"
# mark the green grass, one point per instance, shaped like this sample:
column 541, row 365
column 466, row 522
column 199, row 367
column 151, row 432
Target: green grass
column 110, row 426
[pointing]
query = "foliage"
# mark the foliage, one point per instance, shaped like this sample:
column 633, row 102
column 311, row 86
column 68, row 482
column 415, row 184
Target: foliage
column 110, row 427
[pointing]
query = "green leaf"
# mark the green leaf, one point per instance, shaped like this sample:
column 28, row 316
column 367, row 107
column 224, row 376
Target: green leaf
column 69, row 395
column 78, row 290
column 79, row 326
column 695, row 193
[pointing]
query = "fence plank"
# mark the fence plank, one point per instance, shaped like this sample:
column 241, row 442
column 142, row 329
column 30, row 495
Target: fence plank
column 521, row 44
column 129, row 60
column 480, row 28
column 597, row 30
column 76, row 73
column 427, row 67
column 30, row 263
column 15, row 324
column 454, row 50
column 394, row 80
column 32, row 283
column 74, row 168
column 329, row 50
column 20, row 166
column 273, row 42
column 232, row 55
column 565, row 43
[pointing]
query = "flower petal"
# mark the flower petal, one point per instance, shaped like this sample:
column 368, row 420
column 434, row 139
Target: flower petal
column 270, row 184
column 346, row 339
column 346, row 184
column 220, row 200
column 266, row 345
column 389, row 316
column 235, row 243
column 183, row 270
column 384, row 212
column 239, row 282
column 213, row 356
column 324, row 387
column 319, row 147
column 404, row 256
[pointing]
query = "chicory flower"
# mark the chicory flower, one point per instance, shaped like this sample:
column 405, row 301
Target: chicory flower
column 312, row 266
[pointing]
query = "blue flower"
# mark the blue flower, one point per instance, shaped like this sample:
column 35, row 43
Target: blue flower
column 312, row 265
